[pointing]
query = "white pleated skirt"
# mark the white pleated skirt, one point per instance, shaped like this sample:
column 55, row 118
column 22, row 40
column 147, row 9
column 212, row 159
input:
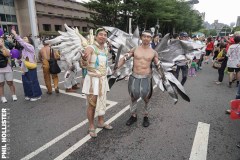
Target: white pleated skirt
column 94, row 83
column 91, row 86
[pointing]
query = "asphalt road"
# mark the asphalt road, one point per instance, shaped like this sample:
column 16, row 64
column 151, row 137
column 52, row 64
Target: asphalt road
column 55, row 127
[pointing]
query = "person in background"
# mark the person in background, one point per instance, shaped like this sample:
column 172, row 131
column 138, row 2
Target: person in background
column 221, row 57
column 155, row 41
column 209, row 49
column 6, row 73
column 233, row 55
column 183, row 64
column 193, row 68
column 32, row 90
column 44, row 57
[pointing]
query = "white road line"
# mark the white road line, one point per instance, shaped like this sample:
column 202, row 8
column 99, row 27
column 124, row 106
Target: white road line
column 17, row 71
column 64, row 81
column 21, row 71
column 82, row 141
column 50, row 143
column 200, row 143
column 63, row 92
column 86, row 138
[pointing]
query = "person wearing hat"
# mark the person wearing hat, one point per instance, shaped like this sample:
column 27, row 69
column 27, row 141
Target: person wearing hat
column 183, row 64
column 44, row 56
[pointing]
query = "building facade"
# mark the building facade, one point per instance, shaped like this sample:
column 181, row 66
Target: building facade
column 8, row 17
column 51, row 15
column 42, row 17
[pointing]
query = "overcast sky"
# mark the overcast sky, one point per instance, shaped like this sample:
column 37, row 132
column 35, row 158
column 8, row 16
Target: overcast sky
column 225, row 11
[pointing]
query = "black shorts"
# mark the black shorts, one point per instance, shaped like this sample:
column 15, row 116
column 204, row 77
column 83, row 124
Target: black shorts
column 233, row 69
column 208, row 52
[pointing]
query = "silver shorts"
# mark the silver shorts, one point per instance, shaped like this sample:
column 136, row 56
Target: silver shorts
column 6, row 76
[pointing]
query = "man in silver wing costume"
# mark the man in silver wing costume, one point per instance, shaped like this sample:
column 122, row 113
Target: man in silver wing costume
column 140, row 81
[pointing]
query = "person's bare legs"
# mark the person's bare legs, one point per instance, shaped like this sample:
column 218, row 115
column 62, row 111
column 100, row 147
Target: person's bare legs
column 12, row 87
column 92, row 101
column 1, row 89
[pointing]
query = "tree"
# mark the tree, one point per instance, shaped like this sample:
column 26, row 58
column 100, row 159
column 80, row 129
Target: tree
column 105, row 12
column 172, row 15
column 236, row 29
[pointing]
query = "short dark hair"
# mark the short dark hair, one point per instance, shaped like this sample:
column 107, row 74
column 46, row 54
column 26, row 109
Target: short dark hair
column 30, row 41
column 156, row 35
column 44, row 41
column 175, row 35
column 237, row 39
column 147, row 31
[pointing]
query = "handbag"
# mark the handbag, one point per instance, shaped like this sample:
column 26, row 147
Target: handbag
column 217, row 64
column 53, row 65
column 28, row 64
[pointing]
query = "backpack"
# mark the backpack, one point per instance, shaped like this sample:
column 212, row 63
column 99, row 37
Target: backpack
column 3, row 60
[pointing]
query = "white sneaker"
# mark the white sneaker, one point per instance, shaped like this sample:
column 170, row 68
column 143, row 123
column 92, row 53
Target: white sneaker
column 218, row 82
column 4, row 100
column 27, row 98
column 14, row 97
column 34, row 99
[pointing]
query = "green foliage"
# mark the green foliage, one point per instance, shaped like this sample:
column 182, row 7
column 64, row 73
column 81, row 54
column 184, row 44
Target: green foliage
column 236, row 29
column 172, row 14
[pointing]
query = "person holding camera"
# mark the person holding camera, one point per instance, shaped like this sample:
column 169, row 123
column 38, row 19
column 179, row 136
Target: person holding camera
column 6, row 73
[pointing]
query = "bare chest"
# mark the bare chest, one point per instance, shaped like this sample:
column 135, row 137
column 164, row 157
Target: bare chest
column 143, row 55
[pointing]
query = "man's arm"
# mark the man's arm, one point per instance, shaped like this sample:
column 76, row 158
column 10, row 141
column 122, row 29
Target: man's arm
column 155, row 58
column 126, row 57
column 85, row 58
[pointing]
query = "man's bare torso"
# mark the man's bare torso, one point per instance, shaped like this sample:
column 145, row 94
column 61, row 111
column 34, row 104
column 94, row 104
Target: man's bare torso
column 142, row 60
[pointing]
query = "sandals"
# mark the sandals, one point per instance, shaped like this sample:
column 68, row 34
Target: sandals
column 105, row 126
column 92, row 133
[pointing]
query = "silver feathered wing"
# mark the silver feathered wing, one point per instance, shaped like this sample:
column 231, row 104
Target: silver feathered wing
column 170, row 52
column 122, row 43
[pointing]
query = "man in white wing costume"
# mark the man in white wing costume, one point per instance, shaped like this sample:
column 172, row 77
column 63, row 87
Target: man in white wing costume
column 95, row 85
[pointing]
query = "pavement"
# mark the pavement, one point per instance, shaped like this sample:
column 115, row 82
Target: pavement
column 55, row 127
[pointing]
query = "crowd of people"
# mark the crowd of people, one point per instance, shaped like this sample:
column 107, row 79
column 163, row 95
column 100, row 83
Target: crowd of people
column 224, row 53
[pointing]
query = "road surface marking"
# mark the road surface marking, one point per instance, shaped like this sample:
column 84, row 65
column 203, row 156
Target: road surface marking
column 200, row 143
column 82, row 141
column 64, row 81
column 55, row 140
column 71, row 94
column 86, row 138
